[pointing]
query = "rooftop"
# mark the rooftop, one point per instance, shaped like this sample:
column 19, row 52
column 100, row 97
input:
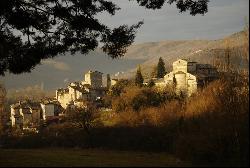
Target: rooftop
column 26, row 105
column 90, row 71
column 50, row 101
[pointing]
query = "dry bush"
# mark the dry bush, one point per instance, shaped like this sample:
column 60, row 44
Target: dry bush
column 136, row 98
column 163, row 115
column 205, row 101
column 150, row 116
column 145, row 106
column 127, row 119
column 121, row 103
column 210, row 127
column 216, row 124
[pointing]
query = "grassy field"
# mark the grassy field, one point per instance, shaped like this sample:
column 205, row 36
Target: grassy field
column 79, row 157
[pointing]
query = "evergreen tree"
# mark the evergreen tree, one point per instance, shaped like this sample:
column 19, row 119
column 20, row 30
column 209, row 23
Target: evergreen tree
column 161, row 71
column 139, row 78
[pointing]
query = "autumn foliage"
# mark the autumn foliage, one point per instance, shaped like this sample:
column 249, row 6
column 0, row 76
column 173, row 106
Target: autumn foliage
column 208, row 128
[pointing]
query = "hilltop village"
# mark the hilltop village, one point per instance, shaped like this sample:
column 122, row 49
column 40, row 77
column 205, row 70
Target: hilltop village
column 186, row 76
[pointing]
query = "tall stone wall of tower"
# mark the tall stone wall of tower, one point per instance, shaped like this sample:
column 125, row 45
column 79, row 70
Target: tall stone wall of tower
column 94, row 78
column 181, row 83
column 180, row 65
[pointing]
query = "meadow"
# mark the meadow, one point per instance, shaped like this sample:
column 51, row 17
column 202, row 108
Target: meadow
column 87, row 157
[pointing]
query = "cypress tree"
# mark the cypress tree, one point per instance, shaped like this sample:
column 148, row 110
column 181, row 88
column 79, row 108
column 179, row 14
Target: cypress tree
column 138, row 77
column 161, row 71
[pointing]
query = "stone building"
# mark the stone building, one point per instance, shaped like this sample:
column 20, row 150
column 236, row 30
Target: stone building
column 93, row 78
column 187, row 76
column 73, row 92
column 88, row 90
column 25, row 114
column 50, row 109
column 28, row 114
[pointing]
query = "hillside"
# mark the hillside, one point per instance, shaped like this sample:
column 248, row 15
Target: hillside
column 58, row 72
column 55, row 73
column 203, row 51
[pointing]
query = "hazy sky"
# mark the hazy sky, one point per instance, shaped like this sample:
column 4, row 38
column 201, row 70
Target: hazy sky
column 224, row 17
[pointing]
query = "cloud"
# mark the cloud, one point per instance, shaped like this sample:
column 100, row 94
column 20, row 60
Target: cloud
column 57, row 64
column 224, row 17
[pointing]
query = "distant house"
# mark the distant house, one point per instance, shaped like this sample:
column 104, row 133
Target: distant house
column 50, row 109
column 16, row 118
column 25, row 114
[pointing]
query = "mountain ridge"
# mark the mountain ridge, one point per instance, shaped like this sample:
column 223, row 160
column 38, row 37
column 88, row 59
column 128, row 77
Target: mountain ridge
column 59, row 71
column 203, row 51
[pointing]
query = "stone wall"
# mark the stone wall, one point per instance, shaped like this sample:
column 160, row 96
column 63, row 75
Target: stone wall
column 180, row 65
column 64, row 99
column 185, row 82
column 94, row 78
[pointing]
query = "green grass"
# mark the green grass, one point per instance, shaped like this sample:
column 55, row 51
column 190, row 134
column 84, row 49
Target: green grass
column 80, row 157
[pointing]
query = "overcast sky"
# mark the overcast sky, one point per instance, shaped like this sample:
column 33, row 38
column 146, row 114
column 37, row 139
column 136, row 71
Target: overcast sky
column 224, row 17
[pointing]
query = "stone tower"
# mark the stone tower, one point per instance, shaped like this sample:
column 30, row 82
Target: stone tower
column 93, row 78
